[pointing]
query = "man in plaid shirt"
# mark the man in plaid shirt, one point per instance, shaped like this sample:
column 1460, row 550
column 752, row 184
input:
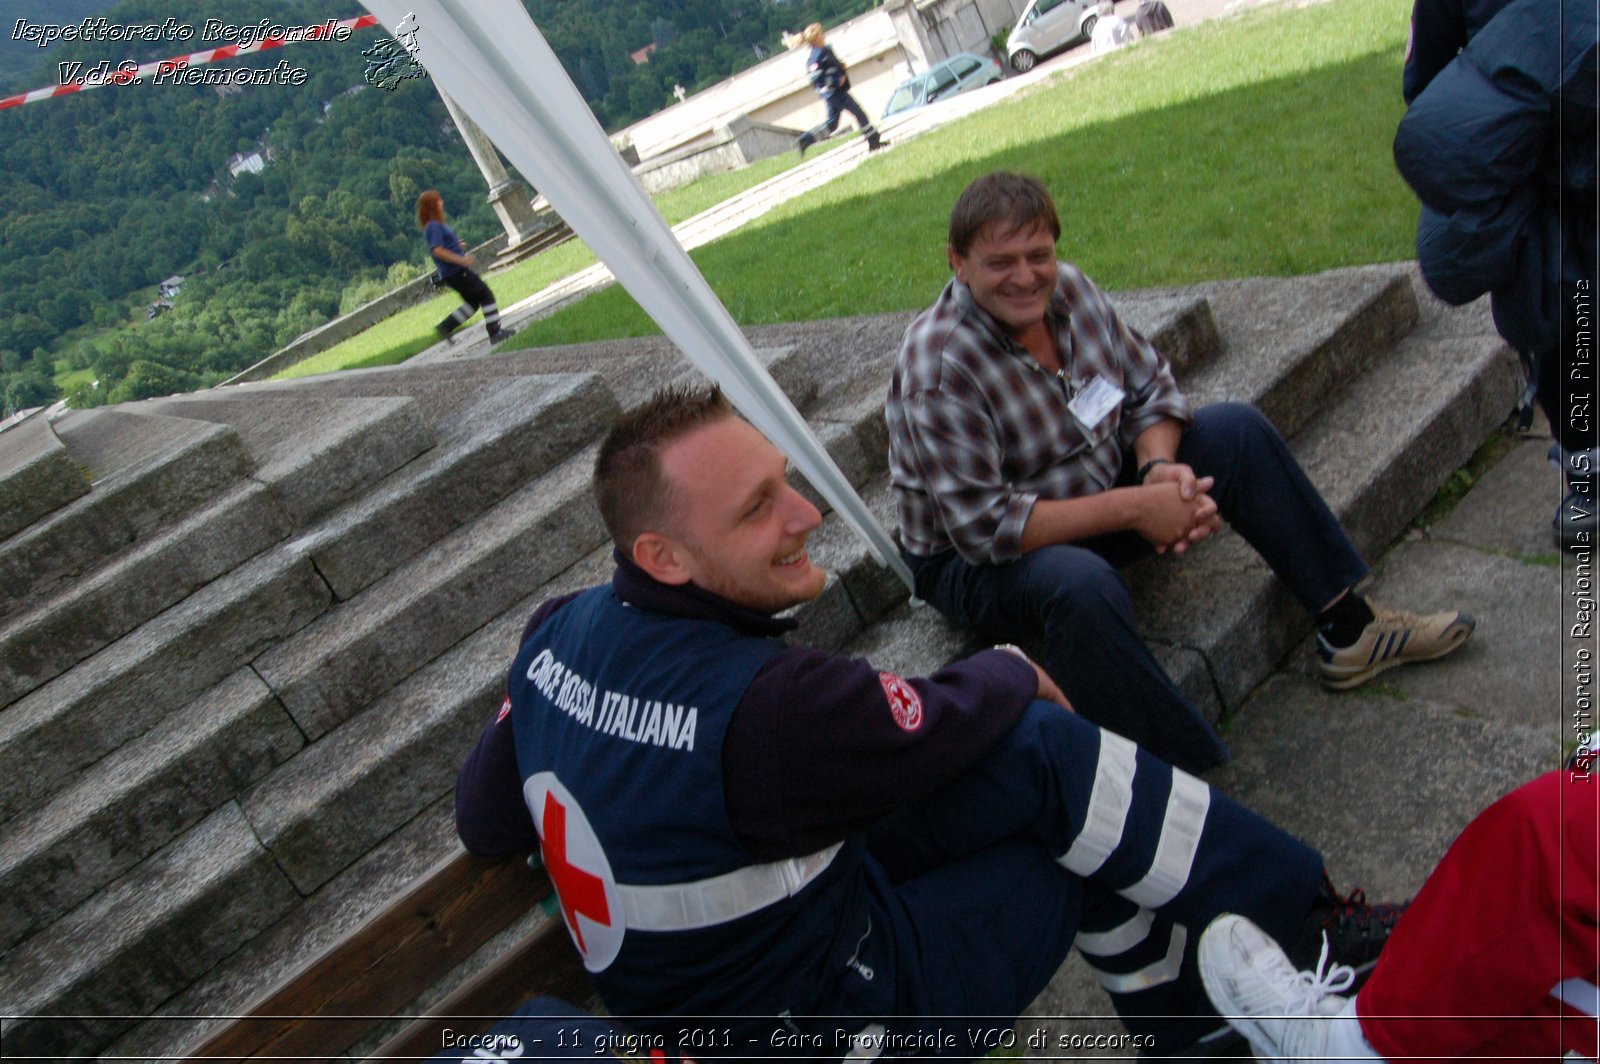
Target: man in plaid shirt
column 1036, row 442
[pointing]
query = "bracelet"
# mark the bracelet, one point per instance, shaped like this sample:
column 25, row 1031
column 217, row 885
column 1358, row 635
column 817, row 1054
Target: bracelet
column 1144, row 470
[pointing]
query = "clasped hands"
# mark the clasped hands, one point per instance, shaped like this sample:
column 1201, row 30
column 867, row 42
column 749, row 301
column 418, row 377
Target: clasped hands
column 1177, row 509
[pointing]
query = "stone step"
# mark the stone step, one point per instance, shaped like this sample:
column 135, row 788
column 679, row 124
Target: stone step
column 631, row 369
column 341, row 796
column 1297, row 341
column 37, row 475
column 137, row 799
column 146, row 471
column 148, row 936
column 515, row 430
column 53, row 733
column 343, row 661
column 1377, row 456
column 162, row 569
column 344, row 903
column 314, row 452
column 393, row 810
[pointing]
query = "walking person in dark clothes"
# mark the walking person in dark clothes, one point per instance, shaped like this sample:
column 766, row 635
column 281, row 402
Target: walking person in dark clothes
column 832, row 82
column 455, row 270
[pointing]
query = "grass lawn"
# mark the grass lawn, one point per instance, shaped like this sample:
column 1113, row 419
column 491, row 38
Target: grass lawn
column 1253, row 145
column 1257, row 145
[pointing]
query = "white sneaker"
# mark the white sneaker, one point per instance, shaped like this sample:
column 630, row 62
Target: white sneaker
column 1283, row 1013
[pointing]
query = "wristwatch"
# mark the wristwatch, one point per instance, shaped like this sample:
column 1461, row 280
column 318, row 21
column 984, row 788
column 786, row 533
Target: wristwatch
column 1144, row 470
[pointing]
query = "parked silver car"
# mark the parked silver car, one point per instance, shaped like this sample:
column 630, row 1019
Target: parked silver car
column 957, row 74
column 1048, row 26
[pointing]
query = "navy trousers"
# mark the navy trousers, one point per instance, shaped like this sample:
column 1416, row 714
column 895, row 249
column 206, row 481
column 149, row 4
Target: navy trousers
column 1070, row 832
column 839, row 102
column 1072, row 596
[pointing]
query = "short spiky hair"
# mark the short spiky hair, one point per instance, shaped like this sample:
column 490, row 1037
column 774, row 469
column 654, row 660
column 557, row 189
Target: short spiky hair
column 1014, row 202
column 633, row 495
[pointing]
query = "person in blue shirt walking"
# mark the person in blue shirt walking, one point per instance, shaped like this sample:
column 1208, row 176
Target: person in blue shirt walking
column 455, row 269
column 832, row 82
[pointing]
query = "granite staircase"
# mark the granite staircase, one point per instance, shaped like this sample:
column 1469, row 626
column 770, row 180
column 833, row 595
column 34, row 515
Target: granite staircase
column 247, row 636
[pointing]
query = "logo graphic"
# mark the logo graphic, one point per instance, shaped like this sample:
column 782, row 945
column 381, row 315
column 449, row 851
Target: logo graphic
column 904, row 702
column 578, row 870
column 393, row 60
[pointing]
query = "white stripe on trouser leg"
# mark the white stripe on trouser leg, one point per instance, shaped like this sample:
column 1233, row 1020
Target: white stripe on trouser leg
column 1164, row 970
column 1109, row 801
column 1180, row 838
column 1119, row 939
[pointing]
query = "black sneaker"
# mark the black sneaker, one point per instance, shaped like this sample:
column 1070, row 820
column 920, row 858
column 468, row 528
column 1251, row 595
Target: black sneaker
column 500, row 335
column 1355, row 930
column 446, row 333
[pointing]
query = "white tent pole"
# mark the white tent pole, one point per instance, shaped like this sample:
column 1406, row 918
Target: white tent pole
column 497, row 67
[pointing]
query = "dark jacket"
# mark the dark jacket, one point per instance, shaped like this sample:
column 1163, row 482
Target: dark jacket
column 1500, row 148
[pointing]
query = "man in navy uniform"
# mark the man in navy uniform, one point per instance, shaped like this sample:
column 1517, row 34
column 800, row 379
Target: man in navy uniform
column 766, row 849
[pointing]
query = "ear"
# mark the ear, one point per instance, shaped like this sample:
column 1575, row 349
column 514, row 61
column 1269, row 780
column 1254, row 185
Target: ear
column 955, row 261
column 663, row 558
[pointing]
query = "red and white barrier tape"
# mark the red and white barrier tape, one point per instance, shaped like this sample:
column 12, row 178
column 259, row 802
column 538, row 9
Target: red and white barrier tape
column 122, row 76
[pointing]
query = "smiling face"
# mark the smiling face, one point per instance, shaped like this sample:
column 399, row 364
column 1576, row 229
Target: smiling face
column 1011, row 274
column 736, row 528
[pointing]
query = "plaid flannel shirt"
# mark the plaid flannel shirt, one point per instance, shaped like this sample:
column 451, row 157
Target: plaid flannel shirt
column 978, row 430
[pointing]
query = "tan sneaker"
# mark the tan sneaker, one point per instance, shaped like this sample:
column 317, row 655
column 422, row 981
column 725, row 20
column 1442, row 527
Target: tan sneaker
column 1394, row 637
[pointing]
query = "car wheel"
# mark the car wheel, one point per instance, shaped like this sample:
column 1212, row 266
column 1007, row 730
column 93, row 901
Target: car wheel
column 1088, row 26
column 1023, row 61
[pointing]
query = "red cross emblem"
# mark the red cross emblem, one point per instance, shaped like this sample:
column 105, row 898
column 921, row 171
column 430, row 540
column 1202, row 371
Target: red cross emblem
column 578, row 869
column 580, row 892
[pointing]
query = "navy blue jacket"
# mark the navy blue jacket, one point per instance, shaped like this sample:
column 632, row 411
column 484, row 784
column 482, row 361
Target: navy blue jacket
column 1439, row 30
column 825, row 71
column 813, row 753
column 1500, row 149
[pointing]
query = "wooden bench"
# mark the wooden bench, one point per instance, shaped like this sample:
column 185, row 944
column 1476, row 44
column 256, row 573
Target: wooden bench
column 337, row 998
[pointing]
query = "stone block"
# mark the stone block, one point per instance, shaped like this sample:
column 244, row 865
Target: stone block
column 55, row 732
column 361, row 649
column 69, row 991
column 1293, row 343
column 345, row 793
column 148, row 471
column 37, row 475
column 138, row 799
column 314, row 451
column 519, row 429
column 91, row 613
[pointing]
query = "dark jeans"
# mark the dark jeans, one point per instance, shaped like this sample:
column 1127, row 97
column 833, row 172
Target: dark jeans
column 1072, row 596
